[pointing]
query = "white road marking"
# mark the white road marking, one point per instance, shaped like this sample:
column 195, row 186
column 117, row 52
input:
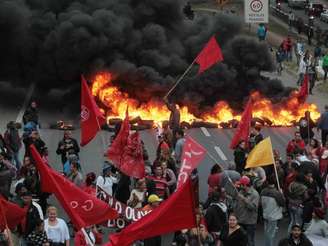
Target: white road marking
column 25, row 103
column 205, row 131
column 220, row 153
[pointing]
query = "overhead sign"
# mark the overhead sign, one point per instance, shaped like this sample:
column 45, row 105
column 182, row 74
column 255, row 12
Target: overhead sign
column 256, row 11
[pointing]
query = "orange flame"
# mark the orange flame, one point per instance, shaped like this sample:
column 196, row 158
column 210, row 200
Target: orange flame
column 116, row 102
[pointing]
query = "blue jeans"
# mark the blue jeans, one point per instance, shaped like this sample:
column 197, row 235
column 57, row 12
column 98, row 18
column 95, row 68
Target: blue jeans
column 250, row 230
column 270, row 230
column 16, row 160
column 295, row 214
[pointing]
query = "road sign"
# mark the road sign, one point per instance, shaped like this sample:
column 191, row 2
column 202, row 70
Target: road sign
column 256, row 11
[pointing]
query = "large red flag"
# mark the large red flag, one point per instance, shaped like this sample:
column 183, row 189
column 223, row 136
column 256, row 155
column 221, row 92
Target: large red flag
column 91, row 117
column 176, row 213
column 242, row 132
column 210, row 55
column 304, row 90
column 82, row 208
column 11, row 214
column 126, row 151
column 193, row 153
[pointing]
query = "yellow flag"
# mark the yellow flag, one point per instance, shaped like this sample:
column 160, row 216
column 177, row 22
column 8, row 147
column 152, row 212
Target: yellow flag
column 261, row 154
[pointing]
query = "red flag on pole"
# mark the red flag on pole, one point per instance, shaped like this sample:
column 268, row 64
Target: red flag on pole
column 91, row 117
column 176, row 213
column 126, row 151
column 11, row 214
column 242, row 132
column 193, row 153
column 210, row 55
column 82, row 208
column 304, row 90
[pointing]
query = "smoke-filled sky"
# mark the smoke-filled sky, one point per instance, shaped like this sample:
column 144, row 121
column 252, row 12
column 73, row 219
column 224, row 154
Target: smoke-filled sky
column 147, row 44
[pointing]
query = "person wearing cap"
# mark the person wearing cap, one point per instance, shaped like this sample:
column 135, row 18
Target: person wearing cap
column 107, row 179
column 319, row 225
column 153, row 202
column 323, row 125
column 272, row 202
column 296, row 238
column 68, row 145
column 246, row 207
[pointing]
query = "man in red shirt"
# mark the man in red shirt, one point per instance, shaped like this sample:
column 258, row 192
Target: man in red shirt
column 295, row 144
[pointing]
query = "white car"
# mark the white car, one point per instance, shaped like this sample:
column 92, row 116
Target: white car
column 297, row 3
column 324, row 16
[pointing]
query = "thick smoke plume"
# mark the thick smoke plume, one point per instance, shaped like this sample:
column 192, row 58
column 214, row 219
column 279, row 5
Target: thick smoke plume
column 147, row 44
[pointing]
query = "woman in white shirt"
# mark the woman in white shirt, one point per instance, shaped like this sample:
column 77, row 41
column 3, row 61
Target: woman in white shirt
column 106, row 181
column 56, row 228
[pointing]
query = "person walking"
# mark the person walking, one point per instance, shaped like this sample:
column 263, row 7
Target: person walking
column 291, row 18
column 306, row 125
column 261, row 32
column 240, row 155
column 246, row 208
column 279, row 59
column 323, row 125
column 318, row 225
column 107, row 180
column 66, row 146
column 272, row 202
column 179, row 147
column 13, row 142
column 325, row 66
column 310, row 35
column 38, row 237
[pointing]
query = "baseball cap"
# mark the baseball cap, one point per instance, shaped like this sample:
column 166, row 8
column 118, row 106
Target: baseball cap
column 154, row 198
column 244, row 180
column 296, row 225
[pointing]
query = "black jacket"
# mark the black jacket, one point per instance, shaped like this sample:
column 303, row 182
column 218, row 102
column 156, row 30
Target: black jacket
column 216, row 217
column 240, row 159
column 31, row 114
column 70, row 146
column 289, row 242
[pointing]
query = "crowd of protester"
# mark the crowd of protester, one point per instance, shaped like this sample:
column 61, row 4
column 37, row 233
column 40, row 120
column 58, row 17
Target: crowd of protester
column 238, row 201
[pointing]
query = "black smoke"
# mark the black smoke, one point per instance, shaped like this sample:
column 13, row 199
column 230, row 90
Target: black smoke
column 146, row 44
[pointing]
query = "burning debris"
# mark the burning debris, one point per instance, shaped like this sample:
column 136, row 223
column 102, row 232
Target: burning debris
column 144, row 115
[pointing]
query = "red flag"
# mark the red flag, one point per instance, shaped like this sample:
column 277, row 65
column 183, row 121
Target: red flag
column 10, row 214
column 193, row 153
column 82, row 208
column 132, row 162
column 126, row 151
column 115, row 151
column 242, row 132
column 176, row 213
column 304, row 90
column 91, row 117
column 210, row 55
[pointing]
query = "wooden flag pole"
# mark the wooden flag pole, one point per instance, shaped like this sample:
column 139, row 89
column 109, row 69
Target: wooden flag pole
column 275, row 168
column 180, row 79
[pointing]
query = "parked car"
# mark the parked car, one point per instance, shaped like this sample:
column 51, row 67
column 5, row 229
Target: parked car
column 314, row 9
column 324, row 16
column 297, row 3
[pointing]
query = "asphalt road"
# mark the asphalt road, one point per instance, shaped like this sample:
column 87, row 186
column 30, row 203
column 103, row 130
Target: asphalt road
column 216, row 142
column 301, row 13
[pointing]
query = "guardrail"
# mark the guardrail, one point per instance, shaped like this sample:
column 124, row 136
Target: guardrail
column 284, row 16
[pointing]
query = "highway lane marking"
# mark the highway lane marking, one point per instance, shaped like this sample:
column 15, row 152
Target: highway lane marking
column 25, row 103
column 205, row 131
column 220, row 153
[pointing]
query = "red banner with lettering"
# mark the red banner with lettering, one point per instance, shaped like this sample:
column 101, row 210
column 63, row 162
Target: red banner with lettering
column 126, row 214
column 193, row 153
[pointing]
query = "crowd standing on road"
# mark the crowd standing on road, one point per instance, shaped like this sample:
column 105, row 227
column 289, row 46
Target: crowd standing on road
column 238, row 200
